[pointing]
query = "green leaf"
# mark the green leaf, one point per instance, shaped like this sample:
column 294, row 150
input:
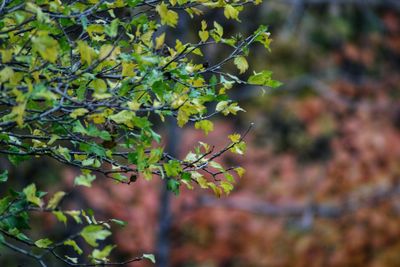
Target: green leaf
column 43, row 243
column 4, row 176
column 119, row 222
column 72, row 260
column 64, row 152
column 150, row 257
column 173, row 186
column 112, row 29
column 172, row 168
column 263, row 78
column 75, row 215
column 74, row 245
column 60, row 216
column 92, row 233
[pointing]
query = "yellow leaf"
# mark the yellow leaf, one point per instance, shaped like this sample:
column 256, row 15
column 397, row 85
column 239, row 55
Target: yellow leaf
column 234, row 137
column 109, row 51
column 168, row 17
column 160, row 41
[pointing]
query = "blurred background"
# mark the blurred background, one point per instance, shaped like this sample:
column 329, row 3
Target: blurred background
column 322, row 186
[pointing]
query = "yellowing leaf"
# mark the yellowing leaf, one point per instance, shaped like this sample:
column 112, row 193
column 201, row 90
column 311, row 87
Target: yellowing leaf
column 168, row 17
column 109, row 52
column 226, row 186
column 239, row 148
column 203, row 25
column 99, row 86
column 6, row 74
column 85, row 180
column 43, row 243
column 206, row 125
column 218, row 29
column 230, row 12
column 241, row 64
column 55, row 200
column 226, row 109
column 202, row 182
column 128, row 69
column 217, row 190
column 221, row 105
column 78, row 112
column 92, row 233
column 87, row 53
column 133, row 105
column 60, row 216
column 102, row 254
column 6, row 55
column 204, row 35
column 240, row 171
column 30, row 193
column 95, row 30
column 46, row 46
column 123, row 117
